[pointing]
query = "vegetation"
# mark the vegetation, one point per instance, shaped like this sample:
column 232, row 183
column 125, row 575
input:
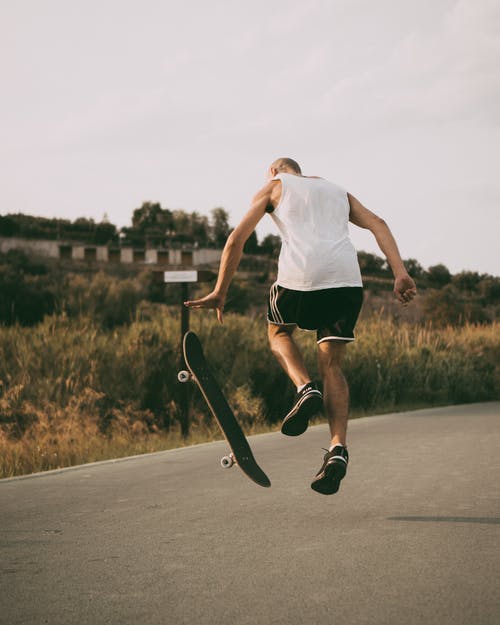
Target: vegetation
column 33, row 288
column 72, row 391
column 89, row 355
column 151, row 225
column 82, row 229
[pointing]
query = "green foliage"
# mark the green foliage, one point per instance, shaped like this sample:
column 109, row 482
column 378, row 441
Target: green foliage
column 8, row 226
column 81, row 229
column 438, row 276
column 200, row 229
column 467, row 281
column 252, row 244
column 449, row 306
column 69, row 385
column 414, row 268
column 239, row 297
column 271, row 245
column 151, row 224
column 372, row 265
column 107, row 301
column 219, row 226
column 26, row 290
column 489, row 290
column 161, row 227
column 151, row 215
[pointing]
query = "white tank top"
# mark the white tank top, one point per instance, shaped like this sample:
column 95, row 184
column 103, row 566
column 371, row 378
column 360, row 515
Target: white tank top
column 316, row 252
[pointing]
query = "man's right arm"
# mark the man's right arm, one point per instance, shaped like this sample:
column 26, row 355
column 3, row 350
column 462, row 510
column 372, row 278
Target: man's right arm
column 233, row 249
column 404, row 286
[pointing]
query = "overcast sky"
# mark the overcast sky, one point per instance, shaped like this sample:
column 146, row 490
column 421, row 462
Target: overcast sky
column 108, row 103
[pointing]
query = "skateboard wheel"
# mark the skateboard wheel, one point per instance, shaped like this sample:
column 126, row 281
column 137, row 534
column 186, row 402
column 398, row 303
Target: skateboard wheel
column 227, row 462
column 183, row 376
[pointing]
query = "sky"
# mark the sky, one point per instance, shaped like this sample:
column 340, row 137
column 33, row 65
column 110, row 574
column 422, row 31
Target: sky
column 110, row 103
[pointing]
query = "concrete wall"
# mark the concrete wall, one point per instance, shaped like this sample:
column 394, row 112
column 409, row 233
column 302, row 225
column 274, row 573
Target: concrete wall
column 174, row 257
column 205, row 256
column 100, row 253
column 127, row 255
column 78, row 252
column 151, row 256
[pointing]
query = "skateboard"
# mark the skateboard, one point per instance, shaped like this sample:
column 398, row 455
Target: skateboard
column 199, row 371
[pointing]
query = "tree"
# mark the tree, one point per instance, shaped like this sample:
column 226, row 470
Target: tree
column 370, row 264
column 147, row 216
column 26, row 288
column 200, row 229
column 105, row 233
column 443, row 307
column 467, row 281
column 414, row 268
column 489, row 290
column 181, row 222
column 271, row 245
column 219, row 226
column 8, row 226
column 438, row 276
column 252, row 244
column 448, row 306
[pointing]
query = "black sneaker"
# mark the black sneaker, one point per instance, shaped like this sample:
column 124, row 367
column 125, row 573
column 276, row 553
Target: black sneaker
column 327, row 480
column 307, row 402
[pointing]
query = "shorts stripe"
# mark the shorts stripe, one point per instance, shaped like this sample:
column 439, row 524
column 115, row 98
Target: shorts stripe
column 274, row 306
column 335, row 338
column 271, row 307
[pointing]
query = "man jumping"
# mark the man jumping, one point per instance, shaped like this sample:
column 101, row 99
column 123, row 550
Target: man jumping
column 318, row 287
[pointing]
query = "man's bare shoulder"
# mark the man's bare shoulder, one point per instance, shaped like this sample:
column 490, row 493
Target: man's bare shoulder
column 269, row 188
column 269, row 194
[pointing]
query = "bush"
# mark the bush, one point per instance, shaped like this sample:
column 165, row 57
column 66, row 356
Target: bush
column 107, row 301
column 27, row 292
column 489, row 290
column 448, row 306
column 71, row 391
column 438, row 276
column 467, row 281
column 372, row 265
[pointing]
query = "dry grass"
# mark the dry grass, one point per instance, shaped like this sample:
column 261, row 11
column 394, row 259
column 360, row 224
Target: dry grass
column 71, row 392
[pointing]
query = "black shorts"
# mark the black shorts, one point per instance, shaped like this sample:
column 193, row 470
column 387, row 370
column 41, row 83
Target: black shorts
column 331, row 312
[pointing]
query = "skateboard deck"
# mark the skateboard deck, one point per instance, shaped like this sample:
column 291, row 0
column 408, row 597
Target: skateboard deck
column 200, row 372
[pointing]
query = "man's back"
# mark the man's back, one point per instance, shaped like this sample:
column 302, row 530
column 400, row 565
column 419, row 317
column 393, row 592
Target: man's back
column 313, row 217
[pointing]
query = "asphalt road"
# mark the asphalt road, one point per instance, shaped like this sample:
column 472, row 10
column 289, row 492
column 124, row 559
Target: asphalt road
column 413, row 536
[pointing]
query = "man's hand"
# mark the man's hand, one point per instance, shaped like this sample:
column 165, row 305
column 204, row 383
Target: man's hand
column 405, row 288
column 212, row 300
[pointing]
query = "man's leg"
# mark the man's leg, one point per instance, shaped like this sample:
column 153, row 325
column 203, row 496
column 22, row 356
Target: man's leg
column 308, row 399
column 287, row 353
column 336, row 402
column 335, row 389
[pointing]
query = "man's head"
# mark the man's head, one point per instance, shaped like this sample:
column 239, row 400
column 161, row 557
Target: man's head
column 284, row 166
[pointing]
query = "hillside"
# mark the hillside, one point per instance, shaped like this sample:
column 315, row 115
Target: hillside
column 33, row 286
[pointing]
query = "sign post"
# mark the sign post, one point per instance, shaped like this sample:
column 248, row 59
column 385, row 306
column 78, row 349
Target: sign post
column 184, row 278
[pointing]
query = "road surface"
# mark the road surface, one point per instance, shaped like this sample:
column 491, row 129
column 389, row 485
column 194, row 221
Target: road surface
column 413, row 536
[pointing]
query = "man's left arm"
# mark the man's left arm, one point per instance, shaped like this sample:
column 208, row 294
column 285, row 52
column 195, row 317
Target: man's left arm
column 404, row 286
column 232, row 252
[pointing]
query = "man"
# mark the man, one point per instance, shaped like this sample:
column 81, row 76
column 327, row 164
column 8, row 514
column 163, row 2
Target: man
column 318, row 287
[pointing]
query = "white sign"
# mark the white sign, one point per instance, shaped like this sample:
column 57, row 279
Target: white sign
column 181, row 276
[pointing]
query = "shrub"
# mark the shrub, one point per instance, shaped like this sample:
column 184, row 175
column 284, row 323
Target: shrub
column 72, row 391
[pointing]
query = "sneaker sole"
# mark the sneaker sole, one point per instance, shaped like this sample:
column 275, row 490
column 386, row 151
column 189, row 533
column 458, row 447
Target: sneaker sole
column 329, row 482
column 298, row 422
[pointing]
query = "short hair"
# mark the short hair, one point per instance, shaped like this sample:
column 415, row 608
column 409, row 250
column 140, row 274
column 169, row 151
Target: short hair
column 283, row 163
